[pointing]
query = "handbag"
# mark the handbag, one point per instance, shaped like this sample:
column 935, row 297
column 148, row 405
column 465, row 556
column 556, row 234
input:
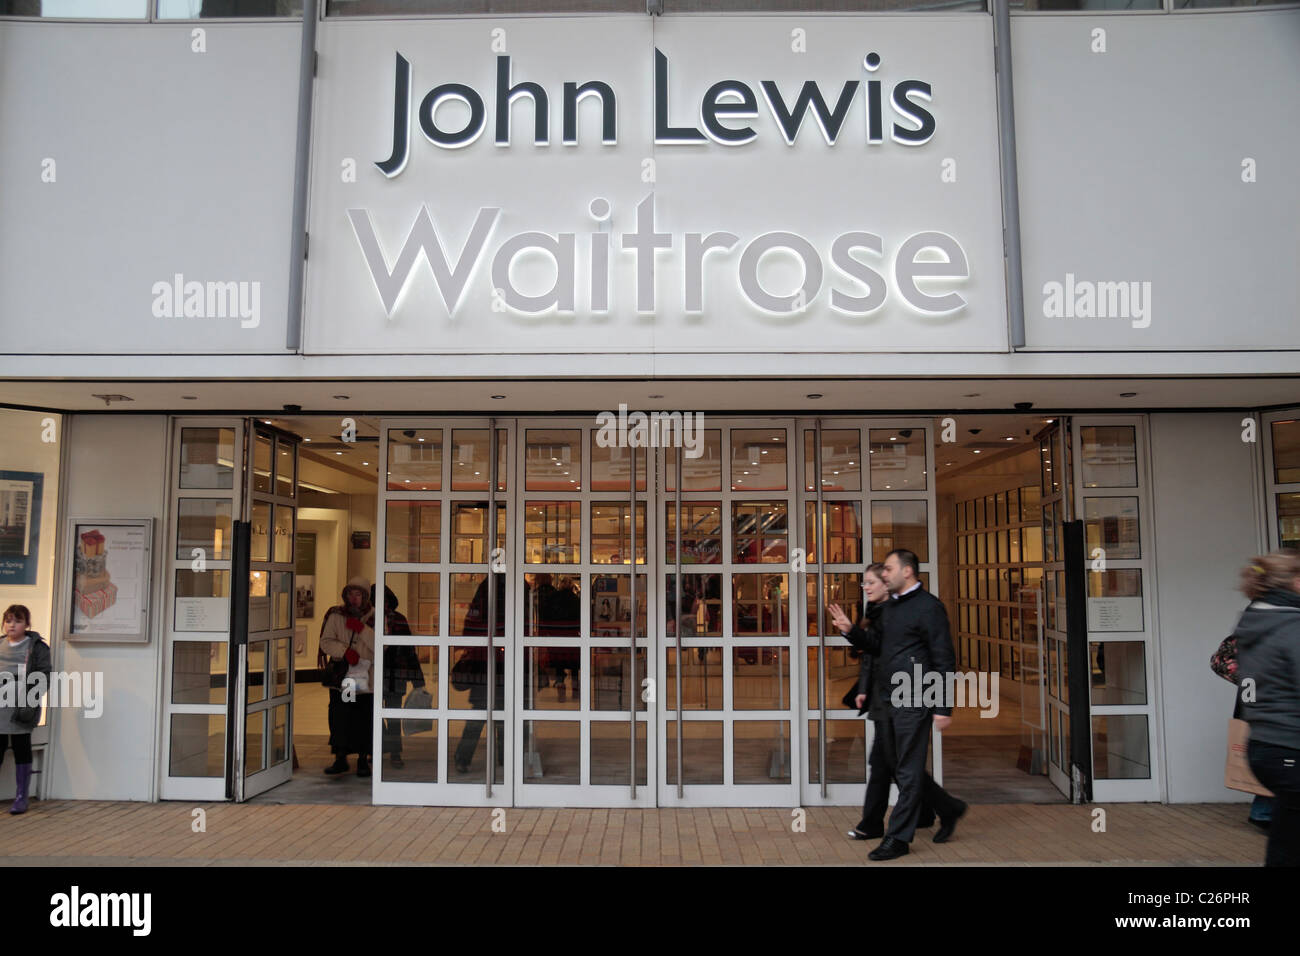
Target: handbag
column 1224, row 661
column 463, row 674
column 333, row 671
column 418, row 699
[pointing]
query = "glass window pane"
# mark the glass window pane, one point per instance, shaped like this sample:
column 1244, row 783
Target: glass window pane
column 553, row 678
column 701, row 752
column 281, row 599
column 279, row 743
column 261, row 531
column 467, row 681
column 613, row 685
column 203, row 523
column 552, row 751
column 758, row 532
column 842, row 521
column 262, row 463
column 611, row 532
column 284, row 468
column 701, row 605
column 1109, row 456
column 701, row 679
column 701, row 532
column 844, row 589
column 1119, row 675
column 1115, row 600
column 202, row 601
column 760, row 604
column 415, row 459
column 1286, row 451
column 471, row 459
column 412, row 531
column 760, row 678
column 609, row 753
column 418, row 593
column 284, row 516
column 469, row 537
column 207, row 458
column 371, row 8
column 758, row 461
column 704, row 471
column 760, row 751
column 898, row 459
column 552, row 606
column 1288, row 520
column 553, row 459
column 256, row 671
column 468, row 747
column 198, row 745
column 199, row 672
column 419, row 751
column 610, row 466
column 280, row 667
column 1121, row 747
column 841, row 676
column 552, row 532
column 468, row 601
column 206, row 9
column 841, row 460
column 900, row 524
column 1112, row 525
column 611, row 605
column 413, row 664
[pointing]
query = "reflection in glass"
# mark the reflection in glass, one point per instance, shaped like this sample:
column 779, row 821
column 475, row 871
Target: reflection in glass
column 471, row 459
column 415, row 459
column 841, row 460
column 701, row 678
column 760, row 751
column 284, row 517
column 838, row 588
column 259, row 600
column 256, row 671
column 611, row 532
column 1288, row 520
column 1120, row 747
column 701, row 473
column 552, row 751
column 281, row 599
column 284, row 468
column 1286, row 451
column 897, row 459
column 610, row 467
column 552, row 605
column 198, row 672
column 613, row 685
column 553, row 678
column 469, row 531
column 469, row 604
column 207, row 458
column 469, row 751
column 468, row 678
column 553, row 459
column 416, row 664
column 901, row 524
column 419, row 754
column 262, row 463
column 198, row 745
column 760, row 678
column 1109, row 456
column 701, row 532
column 701, row 752
column 758, row 459
column 701, row 605
column 609, row 753
column 552, row 532
column 1119, row 675
column 760, row 605
column 254, row 742
column 1112, row 525
column 208, row 9
column 203, row 523
column 261, row 531
column 418, row 600
column 758, row 532
column 412, row 531
column 611, row 605
column 846, row 751
column 280, row 742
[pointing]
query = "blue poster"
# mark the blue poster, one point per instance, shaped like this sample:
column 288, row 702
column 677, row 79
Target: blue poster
column 20, row 526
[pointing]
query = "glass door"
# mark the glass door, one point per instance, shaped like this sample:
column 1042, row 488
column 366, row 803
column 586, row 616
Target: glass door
column 265, row 741
column 1054, row 451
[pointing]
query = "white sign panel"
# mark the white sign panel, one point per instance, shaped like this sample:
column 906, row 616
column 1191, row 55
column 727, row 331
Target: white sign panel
column 643, row 185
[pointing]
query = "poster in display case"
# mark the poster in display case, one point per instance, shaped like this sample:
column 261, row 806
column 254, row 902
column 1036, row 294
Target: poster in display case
column 109, row 578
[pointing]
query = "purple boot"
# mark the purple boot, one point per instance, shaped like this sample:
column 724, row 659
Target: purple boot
column 23, row 774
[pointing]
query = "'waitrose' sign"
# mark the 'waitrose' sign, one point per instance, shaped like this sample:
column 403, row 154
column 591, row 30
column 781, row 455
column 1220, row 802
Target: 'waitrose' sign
column 746, row 184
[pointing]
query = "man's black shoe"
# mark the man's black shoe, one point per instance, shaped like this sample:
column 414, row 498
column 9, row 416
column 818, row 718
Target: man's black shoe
column 1261, row 824
column 340, row 765
column 889, row 849
column 925, row 822
column 870, row 833
column 947, row 826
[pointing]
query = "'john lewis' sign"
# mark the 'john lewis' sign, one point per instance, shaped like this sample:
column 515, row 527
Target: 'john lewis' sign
column 580, row 185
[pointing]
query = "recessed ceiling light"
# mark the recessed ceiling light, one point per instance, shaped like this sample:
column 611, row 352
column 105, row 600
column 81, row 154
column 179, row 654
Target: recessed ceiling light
column 338, row 453
column 498, row 397
column 814, row 394
column 977, row 451
column 365, row 463
column 266, row 421
column 306, row 439
column 190, row 398
column 1128, row 394
column 342, row 397
column 1009, row 438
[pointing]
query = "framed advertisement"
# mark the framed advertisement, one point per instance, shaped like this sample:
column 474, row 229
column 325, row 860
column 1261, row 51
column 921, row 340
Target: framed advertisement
column 109, row 573
column 20, row 526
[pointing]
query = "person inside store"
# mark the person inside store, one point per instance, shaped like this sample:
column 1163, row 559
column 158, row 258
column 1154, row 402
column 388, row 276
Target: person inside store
column 348, row 640
column 25, row 667
column 469, row 673
column 864, row 635
column 1268, row 664
column 913, row 632
column 401, row 667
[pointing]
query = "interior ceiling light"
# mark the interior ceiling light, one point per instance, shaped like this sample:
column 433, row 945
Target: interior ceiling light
column 1128, row 394
column 814, row 394
column 498, row 397
column 110, row 398
column 342, row 397
column 190, row 398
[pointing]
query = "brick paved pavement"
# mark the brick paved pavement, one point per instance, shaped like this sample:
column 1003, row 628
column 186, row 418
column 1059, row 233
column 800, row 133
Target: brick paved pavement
column 67, row 833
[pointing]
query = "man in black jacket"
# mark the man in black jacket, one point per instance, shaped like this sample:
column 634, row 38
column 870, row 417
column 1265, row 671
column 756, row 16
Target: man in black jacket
column 913, row 635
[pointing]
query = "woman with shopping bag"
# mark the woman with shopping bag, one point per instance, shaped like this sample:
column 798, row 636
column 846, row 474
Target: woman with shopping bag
column 348, row 638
